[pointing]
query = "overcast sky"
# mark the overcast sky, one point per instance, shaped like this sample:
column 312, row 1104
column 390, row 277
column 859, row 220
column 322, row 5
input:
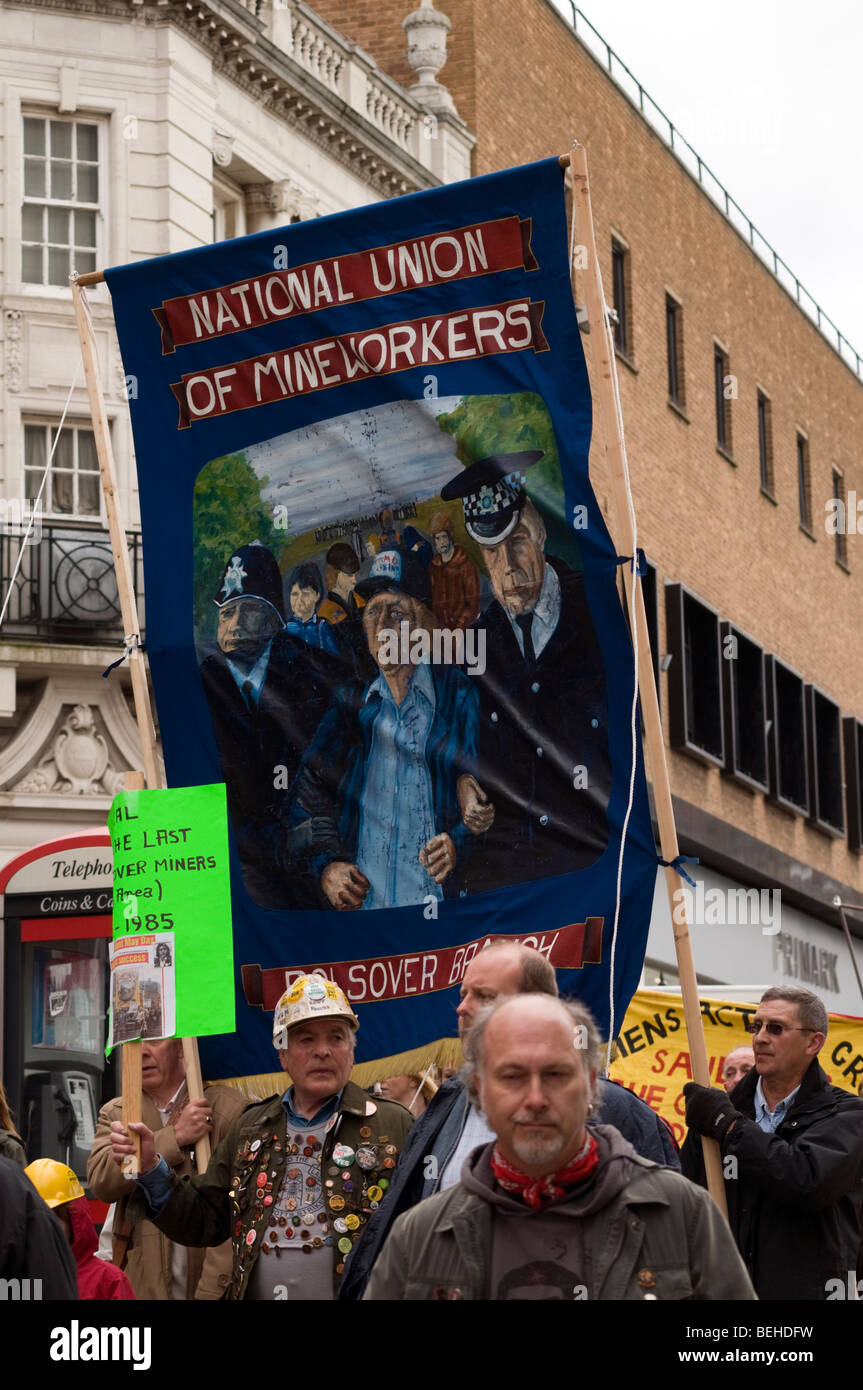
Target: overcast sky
column 770, row 94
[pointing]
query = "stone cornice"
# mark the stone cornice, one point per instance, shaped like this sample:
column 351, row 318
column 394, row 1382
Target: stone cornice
column 240, row 51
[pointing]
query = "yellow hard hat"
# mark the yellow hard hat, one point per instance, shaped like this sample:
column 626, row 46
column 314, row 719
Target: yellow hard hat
column 311, row 996
column 54, row 1182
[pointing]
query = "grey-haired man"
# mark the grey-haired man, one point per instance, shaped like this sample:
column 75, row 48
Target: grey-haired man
column 549, row 1208
column 792, row 1146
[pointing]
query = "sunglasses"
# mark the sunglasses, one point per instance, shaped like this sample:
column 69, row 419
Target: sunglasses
column 774, row 1028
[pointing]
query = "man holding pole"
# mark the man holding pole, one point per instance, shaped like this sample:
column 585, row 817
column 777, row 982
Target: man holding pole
column 158, row 1268
column 297, row 1176
column 792, row 1148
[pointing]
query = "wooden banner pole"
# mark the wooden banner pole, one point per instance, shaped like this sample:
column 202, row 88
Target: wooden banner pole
column 140, row 690
column 130, row 1053
column 117, row 533
column 605, row 387
column 195, row 1087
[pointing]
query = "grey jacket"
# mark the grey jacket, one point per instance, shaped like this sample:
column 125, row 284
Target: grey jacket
column 658, row 1237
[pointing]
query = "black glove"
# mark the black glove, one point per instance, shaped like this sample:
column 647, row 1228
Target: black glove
column 709, row 1111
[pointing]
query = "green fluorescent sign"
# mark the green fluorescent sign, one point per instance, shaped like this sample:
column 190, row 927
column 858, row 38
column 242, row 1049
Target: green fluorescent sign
column 172, row 952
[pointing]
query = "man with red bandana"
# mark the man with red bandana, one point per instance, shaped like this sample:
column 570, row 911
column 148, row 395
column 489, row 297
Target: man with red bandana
column 533, row 1214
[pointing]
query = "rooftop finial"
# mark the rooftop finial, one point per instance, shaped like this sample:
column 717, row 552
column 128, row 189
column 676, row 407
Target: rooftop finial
column 427, row 29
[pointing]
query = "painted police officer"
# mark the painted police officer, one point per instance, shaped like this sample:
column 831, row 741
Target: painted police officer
column 297, row 1176
column 543, row 757
column 266, row 690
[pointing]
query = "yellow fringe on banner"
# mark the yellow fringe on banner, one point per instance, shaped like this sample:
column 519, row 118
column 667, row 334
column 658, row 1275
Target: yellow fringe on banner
column 445, row 1052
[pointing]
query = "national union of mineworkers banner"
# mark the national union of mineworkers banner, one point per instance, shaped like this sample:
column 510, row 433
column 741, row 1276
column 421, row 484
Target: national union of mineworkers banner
column 382, row 604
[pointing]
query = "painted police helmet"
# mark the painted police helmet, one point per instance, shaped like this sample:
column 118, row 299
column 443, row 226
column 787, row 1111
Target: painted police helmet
column 493, row 494
column 251, row 571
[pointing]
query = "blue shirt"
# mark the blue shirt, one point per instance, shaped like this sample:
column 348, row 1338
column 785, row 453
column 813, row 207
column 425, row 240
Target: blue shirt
column 767, row 1121
column 315, row 632
column 299, row 1121
column 397, row 807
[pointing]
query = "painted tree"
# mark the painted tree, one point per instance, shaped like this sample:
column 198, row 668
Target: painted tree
column 508, row 424
column 228, row 512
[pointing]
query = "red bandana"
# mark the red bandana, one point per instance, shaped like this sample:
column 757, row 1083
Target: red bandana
column 535, row 1191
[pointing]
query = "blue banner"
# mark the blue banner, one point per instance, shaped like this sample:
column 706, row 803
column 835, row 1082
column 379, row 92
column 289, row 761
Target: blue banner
column 382, row 603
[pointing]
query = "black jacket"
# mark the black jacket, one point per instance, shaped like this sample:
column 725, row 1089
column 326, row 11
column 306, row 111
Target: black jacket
column 255, row 743
column 33, row 1244
column 539, row 724
column 795, row 1205
column 437, row 1132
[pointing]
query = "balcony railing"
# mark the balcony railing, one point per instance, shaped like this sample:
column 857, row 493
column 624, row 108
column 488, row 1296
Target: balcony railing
column 65, row 589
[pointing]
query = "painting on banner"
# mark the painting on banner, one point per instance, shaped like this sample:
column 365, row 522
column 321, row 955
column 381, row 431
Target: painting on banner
column 382, row 601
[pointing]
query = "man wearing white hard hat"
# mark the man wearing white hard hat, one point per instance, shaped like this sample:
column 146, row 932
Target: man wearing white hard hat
column 297, row 1176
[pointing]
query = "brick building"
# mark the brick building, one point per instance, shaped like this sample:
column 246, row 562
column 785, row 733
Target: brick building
column 743, row 420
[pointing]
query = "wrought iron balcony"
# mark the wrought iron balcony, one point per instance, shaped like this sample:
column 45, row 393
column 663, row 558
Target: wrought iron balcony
column 65, row 589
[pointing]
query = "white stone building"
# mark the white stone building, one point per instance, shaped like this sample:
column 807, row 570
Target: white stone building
column 131, row 129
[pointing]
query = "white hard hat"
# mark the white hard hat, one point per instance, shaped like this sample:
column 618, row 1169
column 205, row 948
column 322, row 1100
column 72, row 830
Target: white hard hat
column 311, row 996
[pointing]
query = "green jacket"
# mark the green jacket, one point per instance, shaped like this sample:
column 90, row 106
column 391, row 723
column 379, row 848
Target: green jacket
column 659, row 1237
column 219, row 1204
column 12, row 1146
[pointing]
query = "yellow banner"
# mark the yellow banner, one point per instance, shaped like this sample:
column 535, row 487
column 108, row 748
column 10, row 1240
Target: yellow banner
column 654, row 1050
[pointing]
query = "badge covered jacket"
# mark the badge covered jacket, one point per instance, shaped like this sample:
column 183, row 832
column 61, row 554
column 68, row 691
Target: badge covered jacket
column 227, row 1202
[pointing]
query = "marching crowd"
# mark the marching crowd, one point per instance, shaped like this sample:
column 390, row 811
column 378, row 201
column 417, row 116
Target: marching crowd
column 526, row 1176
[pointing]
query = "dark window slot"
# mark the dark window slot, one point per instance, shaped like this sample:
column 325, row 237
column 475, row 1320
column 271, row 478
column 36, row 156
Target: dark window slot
column 745, row 708
column 825, row 762
column 789, row 775
column 694, row 676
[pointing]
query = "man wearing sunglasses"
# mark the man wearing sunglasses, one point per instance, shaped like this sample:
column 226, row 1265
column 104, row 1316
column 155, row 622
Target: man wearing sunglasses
column 795, row 1185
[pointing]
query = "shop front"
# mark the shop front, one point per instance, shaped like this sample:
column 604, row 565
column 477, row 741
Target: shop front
column 56, row 925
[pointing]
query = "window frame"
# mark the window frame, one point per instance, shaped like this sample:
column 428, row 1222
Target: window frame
column 732, row 710
column 764, row 419
column 84, row 117
column 813, row 695
column 852, row 740
column 75, row 425
column 776, row 793
column 722, row 405
column 840, row 538
column 621, row 286
column 228, row 194
column 674, row 351
column 804, row 482
column 681, row 686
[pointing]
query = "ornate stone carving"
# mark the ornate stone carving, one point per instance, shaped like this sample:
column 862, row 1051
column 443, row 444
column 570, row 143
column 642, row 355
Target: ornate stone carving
column 78, row 762
column 14, row 349
column 223, row 148
column 427, row 29
column 282, row 197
